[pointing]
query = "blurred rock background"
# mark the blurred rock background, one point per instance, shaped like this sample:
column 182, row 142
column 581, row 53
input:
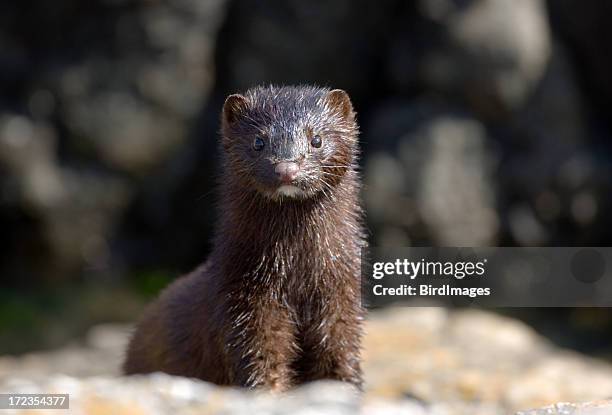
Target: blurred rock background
column 485, row 122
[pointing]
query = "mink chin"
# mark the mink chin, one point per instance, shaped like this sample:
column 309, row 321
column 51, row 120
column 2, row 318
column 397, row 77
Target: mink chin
column 277, row 303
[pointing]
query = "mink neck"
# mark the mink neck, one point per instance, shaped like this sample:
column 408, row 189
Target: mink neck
column 251, row 221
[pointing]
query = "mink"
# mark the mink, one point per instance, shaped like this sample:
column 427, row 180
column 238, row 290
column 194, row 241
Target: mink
column 278, row 302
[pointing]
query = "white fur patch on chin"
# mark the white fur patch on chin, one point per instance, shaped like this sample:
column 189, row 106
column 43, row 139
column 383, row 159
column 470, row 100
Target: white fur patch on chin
column 290, row 191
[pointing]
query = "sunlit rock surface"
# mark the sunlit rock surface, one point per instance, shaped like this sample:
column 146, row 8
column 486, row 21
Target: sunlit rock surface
column 416, row 361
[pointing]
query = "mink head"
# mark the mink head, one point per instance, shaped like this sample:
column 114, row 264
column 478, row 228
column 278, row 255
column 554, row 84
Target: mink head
column 289, row 142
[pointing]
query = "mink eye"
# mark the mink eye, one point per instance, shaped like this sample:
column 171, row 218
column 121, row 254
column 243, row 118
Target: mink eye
column 316, row 141
column 258, row 144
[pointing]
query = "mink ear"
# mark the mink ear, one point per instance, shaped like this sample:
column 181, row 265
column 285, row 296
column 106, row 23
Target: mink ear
column 339, row 100
column 234, row 106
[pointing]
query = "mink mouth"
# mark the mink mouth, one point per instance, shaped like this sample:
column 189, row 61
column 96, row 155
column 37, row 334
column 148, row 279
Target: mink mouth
column 290, row 190
column 285, row 191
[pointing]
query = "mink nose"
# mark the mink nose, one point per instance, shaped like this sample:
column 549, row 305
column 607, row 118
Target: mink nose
column 287, row 171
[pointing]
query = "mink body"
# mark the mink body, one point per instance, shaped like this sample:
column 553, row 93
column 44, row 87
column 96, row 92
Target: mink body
column 277, row 303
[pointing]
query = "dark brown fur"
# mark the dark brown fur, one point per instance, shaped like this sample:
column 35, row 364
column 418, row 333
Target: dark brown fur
column 278, row 301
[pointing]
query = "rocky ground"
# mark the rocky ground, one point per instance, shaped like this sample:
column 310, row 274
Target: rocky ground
column 416, row 361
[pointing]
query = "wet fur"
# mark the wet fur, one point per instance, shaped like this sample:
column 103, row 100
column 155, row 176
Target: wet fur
column 277, row 303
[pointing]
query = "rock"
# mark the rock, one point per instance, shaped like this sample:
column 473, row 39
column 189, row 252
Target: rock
column 124, row 132
column 95, row 100
column 160, row 394
column 583, row 28
column 163, row 394
column 291, row 42
column 123, row 87
column 429, row 178
column 491, row 53
column 593, row 408
column 555, row 185
column 27, row 155
column 100, row 355
column 75, row 211
column 429, row 361
column 130, row 109
column 446, row 358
